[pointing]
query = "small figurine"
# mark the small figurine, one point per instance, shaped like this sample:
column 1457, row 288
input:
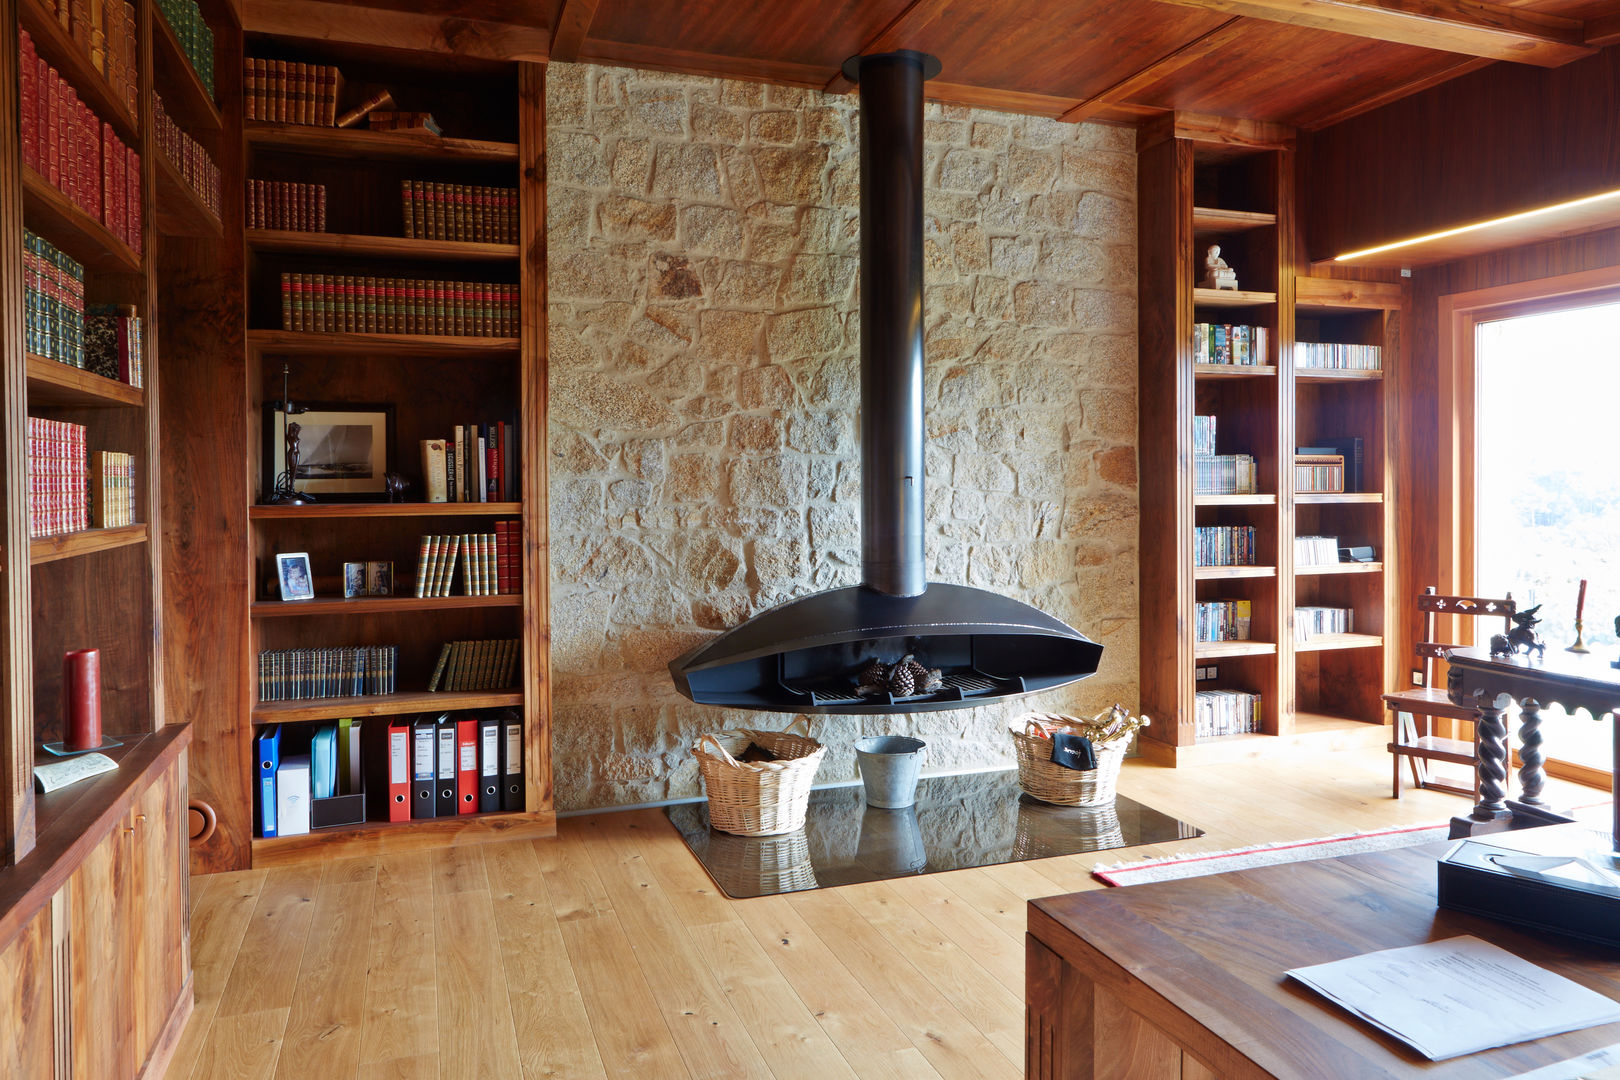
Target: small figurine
column 286, row 490
column 1521, row 636
column 395, row 484
column 1616, row 663
column 1217, row 275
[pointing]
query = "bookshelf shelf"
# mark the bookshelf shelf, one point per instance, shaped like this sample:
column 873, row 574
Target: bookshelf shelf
column 1231, row 298
column 409, row 701
column 49, row 213
column 51, row 383
column 1226, row 650
column 1344, row 498
column 1331, row 375
column 1234, row 500
column 1330, row 569
column 306, row 343
column 1335, row 642
column 383, row 247
column 384, row 510
column 329, row 606
column 1207, row 220
column 1232, row 573
column 1317, row 296
column 375, row 145
column 372, row 837
column 1234, row 371
column 183, row 93
column 180, row 211
column 73, row 545
column 54, row 45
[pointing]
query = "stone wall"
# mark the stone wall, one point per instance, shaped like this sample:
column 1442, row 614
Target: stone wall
column 704, row 330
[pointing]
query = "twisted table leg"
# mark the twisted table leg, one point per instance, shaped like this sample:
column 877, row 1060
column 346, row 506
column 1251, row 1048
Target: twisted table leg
column 1531, row 777
column 1491, row 729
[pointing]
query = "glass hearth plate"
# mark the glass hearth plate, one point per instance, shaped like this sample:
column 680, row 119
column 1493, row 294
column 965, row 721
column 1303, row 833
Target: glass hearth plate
column 958, row 822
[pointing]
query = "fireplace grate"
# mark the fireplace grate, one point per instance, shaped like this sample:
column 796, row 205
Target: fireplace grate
column 959, row 685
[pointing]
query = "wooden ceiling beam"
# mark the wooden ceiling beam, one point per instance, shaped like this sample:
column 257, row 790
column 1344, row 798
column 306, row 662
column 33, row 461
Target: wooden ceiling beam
column 1603, row 32
column 1337, row 112
column 391, row 29
column 1192, row 52
column 573, row 24
column 891, row 37
column 1469, row 27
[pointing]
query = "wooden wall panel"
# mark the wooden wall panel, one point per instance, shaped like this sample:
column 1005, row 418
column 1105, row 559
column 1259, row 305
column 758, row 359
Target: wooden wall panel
column 26, row 1008
column 1499, row 140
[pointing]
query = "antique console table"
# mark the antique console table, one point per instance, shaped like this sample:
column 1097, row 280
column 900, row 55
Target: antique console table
column 1493, row 684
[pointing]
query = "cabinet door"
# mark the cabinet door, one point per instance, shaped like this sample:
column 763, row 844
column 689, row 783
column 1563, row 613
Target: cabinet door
column 157, row 898
column 100, row 916
column 26, row 1013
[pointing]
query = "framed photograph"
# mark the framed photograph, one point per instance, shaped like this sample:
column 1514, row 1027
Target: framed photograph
column 379, row 579
column 292, row 570
column 354, row 580
column 345, row 450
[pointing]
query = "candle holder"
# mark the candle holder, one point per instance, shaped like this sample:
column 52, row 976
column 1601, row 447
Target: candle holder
column 1580, row 644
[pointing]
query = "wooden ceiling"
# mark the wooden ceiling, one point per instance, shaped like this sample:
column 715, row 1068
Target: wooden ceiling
column 1306, row 63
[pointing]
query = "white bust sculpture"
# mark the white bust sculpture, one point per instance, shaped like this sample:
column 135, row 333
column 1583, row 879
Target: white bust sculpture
column 1217, row 275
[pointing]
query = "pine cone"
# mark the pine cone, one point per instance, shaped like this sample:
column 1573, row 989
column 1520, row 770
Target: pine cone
column 902, row 683
column 931, row 681
column 873, row 680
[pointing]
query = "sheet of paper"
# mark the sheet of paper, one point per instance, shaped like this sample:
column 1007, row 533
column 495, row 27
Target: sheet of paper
column 70, row 770
column 1601, row 1064
column 1458, row 996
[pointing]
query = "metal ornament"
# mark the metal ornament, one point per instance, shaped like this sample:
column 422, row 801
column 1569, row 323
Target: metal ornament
column 286, row 491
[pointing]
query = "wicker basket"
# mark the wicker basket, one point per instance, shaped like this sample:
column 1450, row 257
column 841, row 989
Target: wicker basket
column 1083, row 828
column 758, row 798
column 1050, row 783
column 746, row 866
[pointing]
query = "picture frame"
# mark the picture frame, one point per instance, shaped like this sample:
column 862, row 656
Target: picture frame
column 354, row 580
column 379, row 579
column 346, row 450
column 293, row 573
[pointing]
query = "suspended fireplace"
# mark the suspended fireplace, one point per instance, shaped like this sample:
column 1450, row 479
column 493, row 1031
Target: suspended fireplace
column 970, row 647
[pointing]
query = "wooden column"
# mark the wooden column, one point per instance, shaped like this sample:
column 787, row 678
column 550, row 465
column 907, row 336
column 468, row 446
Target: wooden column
column 16, row 606
column 536, row 547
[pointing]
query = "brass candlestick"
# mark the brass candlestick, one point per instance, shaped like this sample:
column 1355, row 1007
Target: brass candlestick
column 1580, row 645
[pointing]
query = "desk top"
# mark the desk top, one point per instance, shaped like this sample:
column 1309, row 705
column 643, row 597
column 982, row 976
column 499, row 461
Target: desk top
column 1589, row 672
column 1202, row 959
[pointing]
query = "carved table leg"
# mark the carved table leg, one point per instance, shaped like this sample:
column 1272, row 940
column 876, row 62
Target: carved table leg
column 1492, row 738
column 1531, row 777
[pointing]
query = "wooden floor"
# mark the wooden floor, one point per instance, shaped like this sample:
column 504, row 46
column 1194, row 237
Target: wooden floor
column 608, row 952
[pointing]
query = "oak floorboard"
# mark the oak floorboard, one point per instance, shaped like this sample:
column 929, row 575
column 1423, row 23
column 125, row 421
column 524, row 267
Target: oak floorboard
column 401, row 1018
column 420, row 1067
column 324, row 1026
column 265, row 972
column 976, row 935
column 991, row 900
column 242, row 1046
column 477, row 1039
column 220, row 912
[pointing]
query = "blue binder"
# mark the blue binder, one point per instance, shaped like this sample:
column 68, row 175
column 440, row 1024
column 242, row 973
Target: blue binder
column 268, row 747
column 323, row 762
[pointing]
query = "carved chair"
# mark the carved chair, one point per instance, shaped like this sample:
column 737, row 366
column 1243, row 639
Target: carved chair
column 1415, row 710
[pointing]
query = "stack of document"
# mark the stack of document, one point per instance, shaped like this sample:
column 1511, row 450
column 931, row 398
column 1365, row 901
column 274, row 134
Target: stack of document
column 1458, row 996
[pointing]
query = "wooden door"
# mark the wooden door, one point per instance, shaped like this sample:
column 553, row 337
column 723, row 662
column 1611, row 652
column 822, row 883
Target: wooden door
column 156, row 952
column 100, row 931
column 26, row 1014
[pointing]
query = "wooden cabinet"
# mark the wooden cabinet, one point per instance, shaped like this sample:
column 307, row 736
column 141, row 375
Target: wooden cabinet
column 1227, row 357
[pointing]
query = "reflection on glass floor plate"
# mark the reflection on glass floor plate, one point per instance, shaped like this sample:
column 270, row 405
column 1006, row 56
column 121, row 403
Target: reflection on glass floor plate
column 959, row 822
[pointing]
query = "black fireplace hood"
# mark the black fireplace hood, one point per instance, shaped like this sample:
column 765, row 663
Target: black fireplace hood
column 805, row 656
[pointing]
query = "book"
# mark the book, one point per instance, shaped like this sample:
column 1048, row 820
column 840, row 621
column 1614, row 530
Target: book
column 434, row 476
column 382, row 99
column 1318, row 474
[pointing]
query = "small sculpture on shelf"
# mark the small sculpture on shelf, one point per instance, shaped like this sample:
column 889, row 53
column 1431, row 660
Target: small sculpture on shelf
column 285, row 490
column 1522, row 636
column 395, row 484
column 1217, row 275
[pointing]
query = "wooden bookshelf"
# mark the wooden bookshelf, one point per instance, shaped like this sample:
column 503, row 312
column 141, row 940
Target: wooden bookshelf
column 1339, row 568
column 389, row 837
column 1231, row 298
column 331, row 606
column 1340, row 498
column 349, row 143
column 49, row 213
column 1335, row 642
column 53, row 383
column 1335, row 375
column 184, row 96
column 1235, row 371
column 1233, row 573
column 400, row 704
column 1235, row 500
column 47, row 549
column 1222, row 650
column 316, row 511
column 377, row 247
column 1209, row 220
column 180, row 210
column 404, row 346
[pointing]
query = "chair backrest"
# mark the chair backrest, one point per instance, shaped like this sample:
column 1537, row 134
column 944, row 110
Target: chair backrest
column 1433, row 605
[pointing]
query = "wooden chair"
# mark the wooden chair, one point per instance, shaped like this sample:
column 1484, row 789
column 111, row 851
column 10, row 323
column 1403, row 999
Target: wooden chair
column 1415, row 710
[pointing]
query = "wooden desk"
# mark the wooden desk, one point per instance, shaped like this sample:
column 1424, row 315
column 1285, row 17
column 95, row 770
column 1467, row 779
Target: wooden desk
column 1493, row 684
column 1183, row 980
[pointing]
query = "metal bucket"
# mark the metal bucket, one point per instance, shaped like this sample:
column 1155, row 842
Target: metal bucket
column 889, row 767
column 891, row 842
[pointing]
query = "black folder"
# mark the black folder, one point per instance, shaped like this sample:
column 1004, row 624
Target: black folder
column 489, row 764
column 511, row 761
column 424, row 757
column 444, row 783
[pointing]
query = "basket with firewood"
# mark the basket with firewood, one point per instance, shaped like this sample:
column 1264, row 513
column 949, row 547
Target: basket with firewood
column 758, row 782
column 1041, row 737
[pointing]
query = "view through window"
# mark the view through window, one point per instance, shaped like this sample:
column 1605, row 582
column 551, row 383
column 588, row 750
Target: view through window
column 1547, row 491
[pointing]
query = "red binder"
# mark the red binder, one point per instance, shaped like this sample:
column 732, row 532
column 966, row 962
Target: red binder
column 399, row 770
column 466, row 766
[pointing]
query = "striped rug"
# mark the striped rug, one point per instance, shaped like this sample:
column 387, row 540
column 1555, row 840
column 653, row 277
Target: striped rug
column 1198, row 863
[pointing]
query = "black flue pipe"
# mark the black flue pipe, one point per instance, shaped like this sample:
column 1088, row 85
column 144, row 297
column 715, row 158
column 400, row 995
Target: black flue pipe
column 892, row 433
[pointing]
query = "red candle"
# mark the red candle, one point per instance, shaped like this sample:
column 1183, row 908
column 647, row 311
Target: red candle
column 81, row 699
column 1580, row 601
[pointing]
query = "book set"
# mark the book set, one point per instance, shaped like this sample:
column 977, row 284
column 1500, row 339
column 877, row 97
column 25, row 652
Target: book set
column 1313, row 622
column 1318, row 474
column 1223, row 545
column 351, row 770
column 1331, row 356
column 74, row 151
column 336, row 303
column 1347, row 449
column 460, row 212
column 476, row 665
column 1219, row 474
column 279, row 204
column 1316, row 550
column 1222, row 620
column 194, row 164
column 291, row 92
column 338, row 671
column 112, row 489
column 104, row 30
column 196, row 38
column 1225, row 712
column 489, row 562
column 477, row 464
column 58, row 500
column 53, row 302
column 1221, row 343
